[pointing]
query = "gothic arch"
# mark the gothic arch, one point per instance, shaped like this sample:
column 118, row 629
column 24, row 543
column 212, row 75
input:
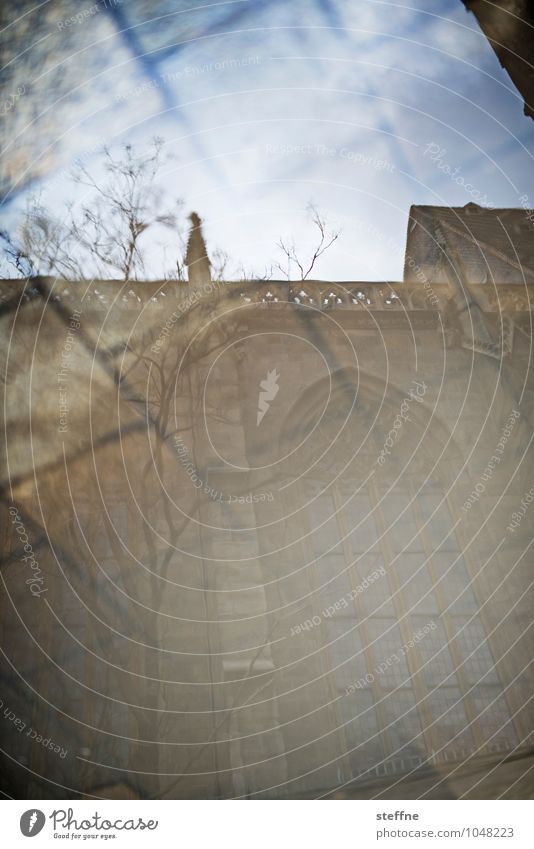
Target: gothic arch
column 349, row 393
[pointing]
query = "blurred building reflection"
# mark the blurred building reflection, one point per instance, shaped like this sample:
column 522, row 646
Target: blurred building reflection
column 330, row 599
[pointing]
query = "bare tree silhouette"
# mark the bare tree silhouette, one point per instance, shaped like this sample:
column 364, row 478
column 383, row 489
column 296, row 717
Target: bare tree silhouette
column 325, row 239
column 104, row 235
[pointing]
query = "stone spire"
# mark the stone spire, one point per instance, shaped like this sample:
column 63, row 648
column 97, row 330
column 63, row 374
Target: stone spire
column 196, row 257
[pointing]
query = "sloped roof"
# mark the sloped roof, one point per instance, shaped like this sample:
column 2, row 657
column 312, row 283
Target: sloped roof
column 493, row 245
column 508, row 27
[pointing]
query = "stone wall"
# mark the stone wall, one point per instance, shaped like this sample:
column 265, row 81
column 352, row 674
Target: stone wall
column 208, row 483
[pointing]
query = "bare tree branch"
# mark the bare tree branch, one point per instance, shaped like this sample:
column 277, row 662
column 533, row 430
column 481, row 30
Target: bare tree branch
column 326, row 238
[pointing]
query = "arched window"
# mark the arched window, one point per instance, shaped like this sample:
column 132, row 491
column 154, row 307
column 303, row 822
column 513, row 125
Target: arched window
column 394, row 633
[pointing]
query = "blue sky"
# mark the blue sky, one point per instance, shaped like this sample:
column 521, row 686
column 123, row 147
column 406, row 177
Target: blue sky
column 362, row 107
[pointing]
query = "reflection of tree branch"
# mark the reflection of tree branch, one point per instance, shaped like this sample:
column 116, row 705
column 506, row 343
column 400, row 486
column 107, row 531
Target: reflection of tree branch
column 104, row 234
column 228, row 714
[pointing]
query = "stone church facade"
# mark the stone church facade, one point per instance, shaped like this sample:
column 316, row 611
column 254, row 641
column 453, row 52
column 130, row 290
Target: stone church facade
column 279, row 530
